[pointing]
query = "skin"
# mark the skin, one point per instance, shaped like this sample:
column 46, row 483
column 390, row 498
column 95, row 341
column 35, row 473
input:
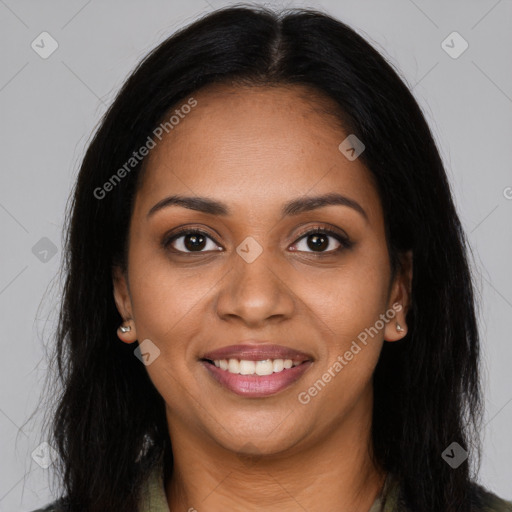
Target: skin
column 255, row 149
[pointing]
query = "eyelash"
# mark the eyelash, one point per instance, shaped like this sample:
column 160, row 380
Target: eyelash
column 344, row 241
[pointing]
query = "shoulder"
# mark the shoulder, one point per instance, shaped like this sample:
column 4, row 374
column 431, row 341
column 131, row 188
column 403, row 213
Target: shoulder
column 481, row 499
column 486, row 501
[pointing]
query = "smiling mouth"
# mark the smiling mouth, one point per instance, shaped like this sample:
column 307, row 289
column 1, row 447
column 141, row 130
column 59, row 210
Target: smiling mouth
column 255, row 379
column 248, row 367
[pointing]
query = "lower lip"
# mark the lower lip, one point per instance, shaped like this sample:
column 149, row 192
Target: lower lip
column 257, row 386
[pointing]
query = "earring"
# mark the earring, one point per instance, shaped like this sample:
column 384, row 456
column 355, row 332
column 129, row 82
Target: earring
column 125, row 328
column 399, row 328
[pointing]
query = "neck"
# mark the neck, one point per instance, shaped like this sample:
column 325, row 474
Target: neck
column 334, row 471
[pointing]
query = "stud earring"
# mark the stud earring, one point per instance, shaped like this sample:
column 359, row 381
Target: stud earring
column 399, row 328
column 125, row 328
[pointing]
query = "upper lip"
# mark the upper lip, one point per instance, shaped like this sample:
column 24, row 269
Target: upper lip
column 257, row 352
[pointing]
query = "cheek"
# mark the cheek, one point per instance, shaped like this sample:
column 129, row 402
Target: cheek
column 162, row 288
column 167, row 306
column 349, row 302
column 352, row 337
column 167, row 301
column 350, row 298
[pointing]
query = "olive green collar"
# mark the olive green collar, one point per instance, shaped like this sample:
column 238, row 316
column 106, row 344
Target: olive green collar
column 153, row 498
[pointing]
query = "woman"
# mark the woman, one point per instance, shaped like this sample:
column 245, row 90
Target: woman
column 268, row 304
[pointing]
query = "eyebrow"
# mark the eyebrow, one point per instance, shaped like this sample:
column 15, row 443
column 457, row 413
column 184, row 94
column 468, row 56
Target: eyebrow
column 293, row 207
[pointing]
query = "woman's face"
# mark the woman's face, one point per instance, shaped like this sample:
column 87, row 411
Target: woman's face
column 254, row 275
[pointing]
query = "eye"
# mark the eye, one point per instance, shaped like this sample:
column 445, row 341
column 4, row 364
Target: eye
column 190, row 240
column 321, row 240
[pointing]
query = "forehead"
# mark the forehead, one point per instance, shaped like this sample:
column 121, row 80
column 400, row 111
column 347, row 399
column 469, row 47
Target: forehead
column 255, row 145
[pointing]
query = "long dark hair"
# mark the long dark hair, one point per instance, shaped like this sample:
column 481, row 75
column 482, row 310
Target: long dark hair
column 109, row 424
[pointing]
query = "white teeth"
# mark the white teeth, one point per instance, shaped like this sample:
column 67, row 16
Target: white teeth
column 234, row 366
column 264, row 367
column 246, row 367
column 278, row 365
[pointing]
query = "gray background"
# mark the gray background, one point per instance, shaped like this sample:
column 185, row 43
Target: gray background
column 49, row 108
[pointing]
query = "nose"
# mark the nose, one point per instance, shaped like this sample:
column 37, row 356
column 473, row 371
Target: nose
column 256, row 293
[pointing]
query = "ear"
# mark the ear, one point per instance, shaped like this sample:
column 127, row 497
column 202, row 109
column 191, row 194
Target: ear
column 124, row 304
column 400, row 299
